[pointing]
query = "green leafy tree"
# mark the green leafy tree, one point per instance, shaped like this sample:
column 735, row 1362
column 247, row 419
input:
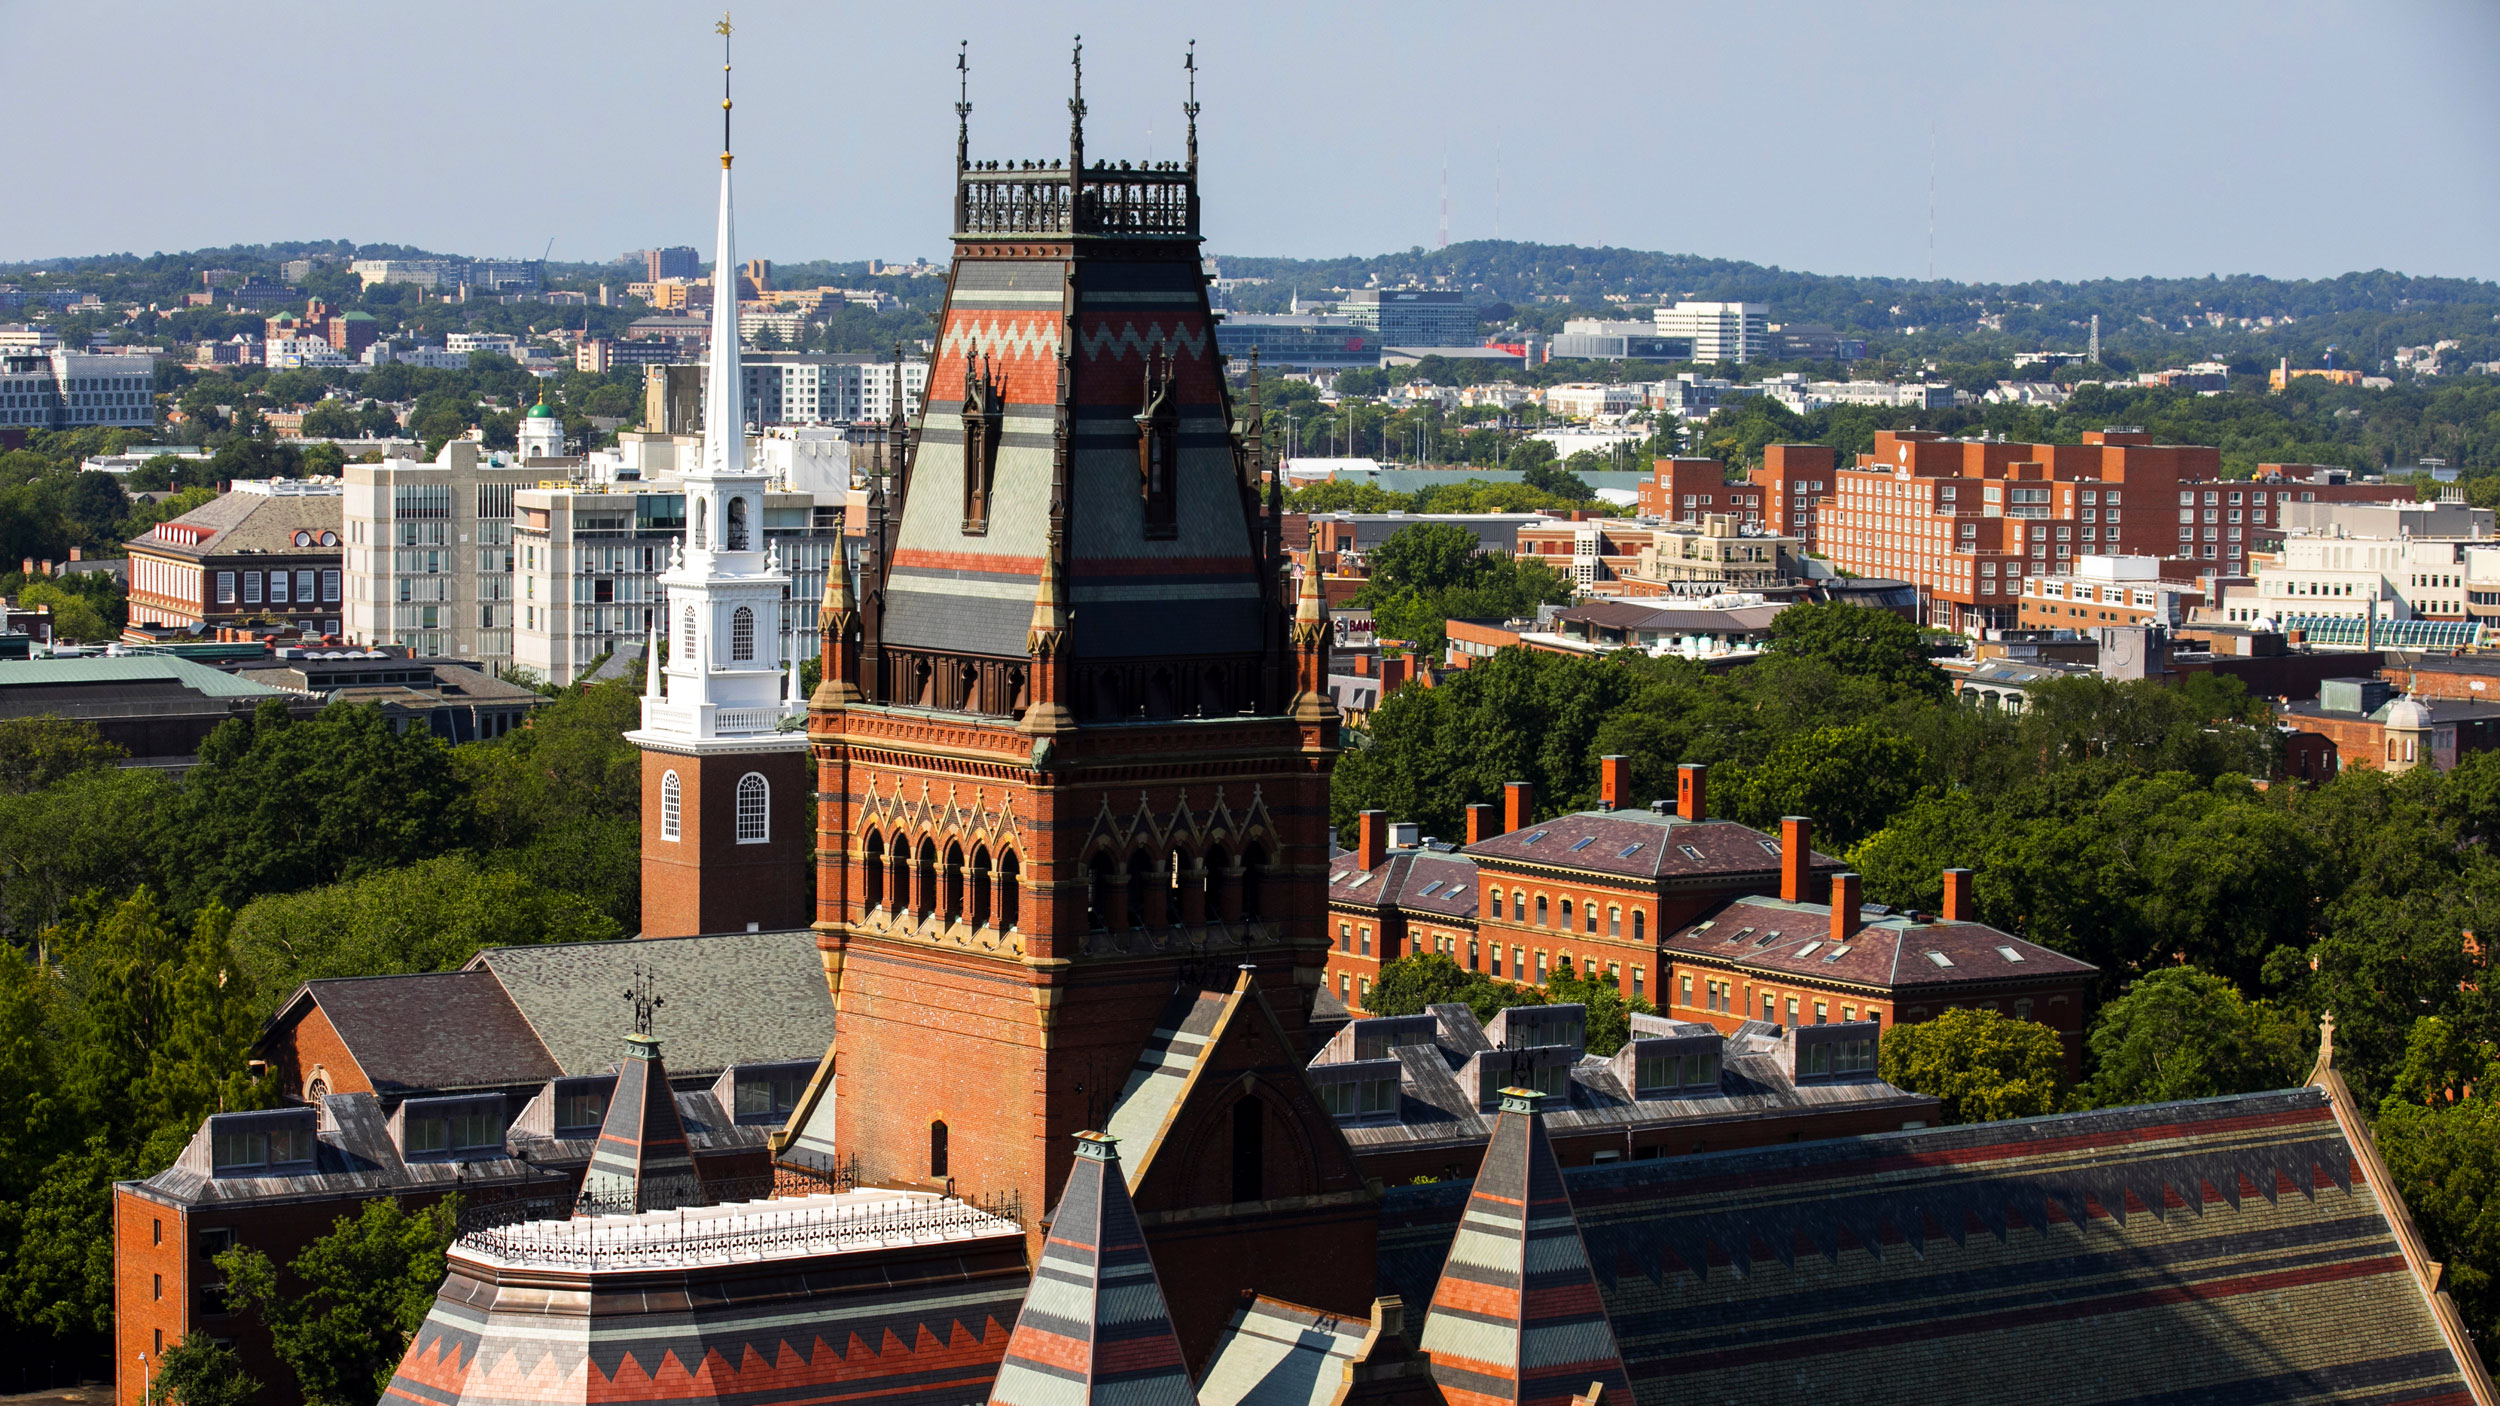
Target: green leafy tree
column 2181, row 1033
column 35, row 752
column 94, row 830
column 58, row 1274
column 1851, row 780
column 1345, row 496
column 2440, row 1138
column 1860, row 641
column 365, row 1289
column 559, row 802
column 429, row 916
column 1609, row 1012
column 1981, row 1065
column 1409, row 984
column 1432, row 556
column 278, row 804
column 1549, row 477
column 201, row 1371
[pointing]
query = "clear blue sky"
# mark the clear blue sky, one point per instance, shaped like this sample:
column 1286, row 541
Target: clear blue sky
column 2071, row 140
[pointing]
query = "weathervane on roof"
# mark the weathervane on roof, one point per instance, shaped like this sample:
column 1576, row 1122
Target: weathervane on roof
column 644, row 994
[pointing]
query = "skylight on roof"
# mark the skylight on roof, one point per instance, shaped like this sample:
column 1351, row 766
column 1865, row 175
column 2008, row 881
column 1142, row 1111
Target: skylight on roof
column 1940, row 959
column 2009, row 954
column 1627, row 851
column 1690, row 853
column 1738, row 936
column 1430, row 889
column 1809, row 949
column 1837, row 953
column 1583, row 843
column 1771, row 847
column 1532, row 839
column 1358, row 883
column 1767, row 938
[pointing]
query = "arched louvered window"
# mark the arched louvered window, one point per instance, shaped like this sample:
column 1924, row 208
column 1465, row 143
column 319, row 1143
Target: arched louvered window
column 755, row 798
column 671, row 800
column 702, row 523
column 742, row 634
column 685, row 638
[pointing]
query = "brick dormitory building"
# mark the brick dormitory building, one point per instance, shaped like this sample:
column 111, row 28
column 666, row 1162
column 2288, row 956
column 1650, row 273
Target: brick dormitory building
column 1090, row 1123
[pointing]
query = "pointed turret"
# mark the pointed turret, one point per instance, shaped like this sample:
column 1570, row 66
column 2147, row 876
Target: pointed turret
column 642, row 1161
column 1516, row 1319
column 1094, row 1325
column 1311, row 703
column 837, row 627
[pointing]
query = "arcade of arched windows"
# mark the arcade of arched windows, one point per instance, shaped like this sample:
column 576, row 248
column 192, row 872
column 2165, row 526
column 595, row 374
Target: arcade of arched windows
column 1141, row 886
column 1164, row 690
column 951, row 879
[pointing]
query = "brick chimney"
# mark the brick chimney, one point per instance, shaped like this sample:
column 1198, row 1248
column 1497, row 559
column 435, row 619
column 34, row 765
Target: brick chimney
column 1371, row 847
column 1958, row 907
column 1395, row 673
column 1692, row 791
column 1614, row 784
column 1518, row 805
column 1480, row 822
column 1796, row 856
column 1844, row 907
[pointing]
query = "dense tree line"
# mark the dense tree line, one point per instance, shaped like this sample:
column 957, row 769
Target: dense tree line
column 148, row 926
column 2128, row 824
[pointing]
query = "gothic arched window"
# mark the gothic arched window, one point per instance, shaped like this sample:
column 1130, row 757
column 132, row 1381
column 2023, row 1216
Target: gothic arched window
column 1158, row 453
column 984, row 418
column 671, row 797
column 742, row 634
column 737, row 534
column 755, row 798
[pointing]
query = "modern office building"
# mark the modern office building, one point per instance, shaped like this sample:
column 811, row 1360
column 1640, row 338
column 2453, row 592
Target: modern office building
column 1595, row 339
column 429, row 552
column 65, row 390
column 797, row 388
column 1737, row 332
column 677, row 261
column 1298, row 341
column 1413, row 317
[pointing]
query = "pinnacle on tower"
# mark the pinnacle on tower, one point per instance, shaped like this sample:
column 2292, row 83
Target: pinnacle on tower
column 1095, row 1326
column 642, row 1161
column 1516, row 1319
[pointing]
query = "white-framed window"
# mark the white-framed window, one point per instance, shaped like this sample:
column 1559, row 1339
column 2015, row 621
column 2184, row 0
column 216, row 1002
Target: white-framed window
column 672, row 796
column 251, row 588
column 225, row 588
column 329, row 586
column 754, row 809
column 742, row 634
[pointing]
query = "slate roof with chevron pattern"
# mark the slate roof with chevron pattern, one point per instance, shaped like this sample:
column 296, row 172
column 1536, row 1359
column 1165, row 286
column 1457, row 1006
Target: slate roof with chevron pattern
column 2224, row 1250
column 1094, row 1327
column 1516, row 1318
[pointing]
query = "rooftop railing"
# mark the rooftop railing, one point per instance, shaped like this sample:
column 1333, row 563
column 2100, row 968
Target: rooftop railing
column 764, row 1230
column 1155, row 201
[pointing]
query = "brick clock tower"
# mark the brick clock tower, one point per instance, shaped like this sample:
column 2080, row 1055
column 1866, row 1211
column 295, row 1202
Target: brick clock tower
column 1073, row 742
column 724, row 789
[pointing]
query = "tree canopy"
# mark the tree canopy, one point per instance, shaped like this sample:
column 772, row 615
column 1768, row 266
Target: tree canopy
column 1980, row 1064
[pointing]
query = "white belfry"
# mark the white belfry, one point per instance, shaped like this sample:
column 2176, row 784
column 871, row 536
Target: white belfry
column 725, row 589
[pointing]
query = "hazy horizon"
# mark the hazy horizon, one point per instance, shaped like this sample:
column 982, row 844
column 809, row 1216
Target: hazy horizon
column 2134, row 140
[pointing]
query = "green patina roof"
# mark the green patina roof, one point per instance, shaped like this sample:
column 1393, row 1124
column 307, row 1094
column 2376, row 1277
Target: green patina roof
column 215, row 683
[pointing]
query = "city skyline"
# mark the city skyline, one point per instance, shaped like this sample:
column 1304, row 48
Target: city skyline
column 1328, row 137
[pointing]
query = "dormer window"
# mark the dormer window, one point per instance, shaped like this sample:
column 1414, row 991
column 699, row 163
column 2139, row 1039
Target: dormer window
column 765, row 1093
column 582, row 1106
column 277, row 1143
column 1158, row 453
column 450, row 1127
column 984, row 421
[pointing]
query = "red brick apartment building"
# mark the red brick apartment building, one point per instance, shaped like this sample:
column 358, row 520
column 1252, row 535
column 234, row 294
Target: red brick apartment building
column 1796, row 480
column 1968, row 521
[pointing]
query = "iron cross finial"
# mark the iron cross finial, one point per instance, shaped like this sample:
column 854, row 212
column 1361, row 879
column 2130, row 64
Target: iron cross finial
column 643, row 994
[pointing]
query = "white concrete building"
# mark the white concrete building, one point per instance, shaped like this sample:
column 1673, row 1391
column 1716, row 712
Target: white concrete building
column 429, row 551
column 1737, row 332
column 76, row 390
column 1584, row 400
column 503, row 343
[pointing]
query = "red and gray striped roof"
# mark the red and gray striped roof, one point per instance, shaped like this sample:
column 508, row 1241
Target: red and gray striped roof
column 641, row 1161
column 1516, row 1319
column 1094, row 1327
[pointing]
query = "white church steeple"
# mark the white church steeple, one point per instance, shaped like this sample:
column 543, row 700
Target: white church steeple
column 726, row 592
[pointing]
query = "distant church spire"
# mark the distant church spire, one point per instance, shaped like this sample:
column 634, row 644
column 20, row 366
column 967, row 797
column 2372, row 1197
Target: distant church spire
column 724, row 398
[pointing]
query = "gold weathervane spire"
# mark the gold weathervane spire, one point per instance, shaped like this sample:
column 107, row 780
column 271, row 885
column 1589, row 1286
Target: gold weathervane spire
column 723, row 30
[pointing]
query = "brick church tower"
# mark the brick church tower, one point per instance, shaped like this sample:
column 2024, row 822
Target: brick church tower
column 724, row 790
column 1072, row 744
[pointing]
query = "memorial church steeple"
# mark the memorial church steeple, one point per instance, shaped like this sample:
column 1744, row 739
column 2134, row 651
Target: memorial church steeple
column 724, row 785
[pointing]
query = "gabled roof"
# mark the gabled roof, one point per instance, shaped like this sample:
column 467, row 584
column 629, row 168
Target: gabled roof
column 251, row 522
column 1888, row 951
column 1094, row 1326
column 1640, row 844
column 1276, row 1353
column 2230, row 1249
column 1436, row 882
column 428, row 1032
column 733, row 998
column 1516, row 1318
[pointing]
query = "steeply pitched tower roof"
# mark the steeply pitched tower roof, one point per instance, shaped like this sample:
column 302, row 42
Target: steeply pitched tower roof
column 1094, row 1325
column 641, row 1162
column 1516, row 1319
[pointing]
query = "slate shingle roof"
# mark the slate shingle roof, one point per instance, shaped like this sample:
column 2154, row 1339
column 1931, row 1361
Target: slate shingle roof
column 433, row 1031
column 2222, row 1250
column 1888, row 951
column 733, row 998
column 1641, row 844
column 1435, row 882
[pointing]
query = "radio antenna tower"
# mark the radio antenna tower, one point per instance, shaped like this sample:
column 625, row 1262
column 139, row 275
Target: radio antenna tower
column 1931, row 202
column 1497, row 187
column 1445, row 195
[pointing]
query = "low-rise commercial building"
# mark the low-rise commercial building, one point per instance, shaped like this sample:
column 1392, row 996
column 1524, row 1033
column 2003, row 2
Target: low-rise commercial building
column 2107, row 590
column 1595, row 339
column 457, row 700
column 1735, row 332
column 155, row 707
column 1720, row 554
column 1298, row 341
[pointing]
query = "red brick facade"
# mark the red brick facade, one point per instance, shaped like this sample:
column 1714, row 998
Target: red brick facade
column 706, row 879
